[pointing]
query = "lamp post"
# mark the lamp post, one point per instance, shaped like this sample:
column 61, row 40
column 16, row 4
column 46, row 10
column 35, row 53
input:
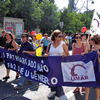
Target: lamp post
column 87, row 13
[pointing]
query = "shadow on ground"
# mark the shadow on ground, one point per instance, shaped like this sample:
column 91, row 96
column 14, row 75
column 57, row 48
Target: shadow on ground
column 8, row 92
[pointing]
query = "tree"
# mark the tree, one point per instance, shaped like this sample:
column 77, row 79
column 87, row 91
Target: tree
column 72, row 21
column 50, row 18
column 4, row 9
column 28, row 10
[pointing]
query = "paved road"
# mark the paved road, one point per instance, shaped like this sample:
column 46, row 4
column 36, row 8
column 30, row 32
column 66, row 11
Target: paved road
column 35, row 91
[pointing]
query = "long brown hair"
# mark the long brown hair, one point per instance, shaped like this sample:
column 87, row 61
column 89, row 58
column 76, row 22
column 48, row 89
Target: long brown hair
column 55, row 33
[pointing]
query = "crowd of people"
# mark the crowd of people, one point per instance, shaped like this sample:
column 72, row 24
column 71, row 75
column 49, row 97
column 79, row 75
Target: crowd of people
column 57, row 44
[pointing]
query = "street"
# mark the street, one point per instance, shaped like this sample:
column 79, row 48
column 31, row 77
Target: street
column 35, row 91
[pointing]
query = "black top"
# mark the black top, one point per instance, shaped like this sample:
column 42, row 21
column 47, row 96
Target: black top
column 2, row 41
column 9, row 45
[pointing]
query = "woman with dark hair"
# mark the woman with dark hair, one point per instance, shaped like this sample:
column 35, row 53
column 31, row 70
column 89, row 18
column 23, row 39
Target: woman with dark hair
column 10, row 45
column 57, row 48
column 86, row 41
column 95, row 42
column 78, row 48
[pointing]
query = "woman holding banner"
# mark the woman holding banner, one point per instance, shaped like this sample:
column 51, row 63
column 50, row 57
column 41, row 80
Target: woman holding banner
column 78, row 48
column 95, row 42
column 10, row 45
column 56, row 48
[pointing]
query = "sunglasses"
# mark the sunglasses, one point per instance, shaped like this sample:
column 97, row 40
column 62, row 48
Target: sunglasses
column 78, row 37
column 23, row 36
column 60, row 36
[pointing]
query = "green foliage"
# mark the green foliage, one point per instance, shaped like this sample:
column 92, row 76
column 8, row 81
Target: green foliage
column 75, row 21
column 44, row 14
column 4, row 9
column 50, row 18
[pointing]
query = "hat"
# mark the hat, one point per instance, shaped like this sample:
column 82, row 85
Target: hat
column 57, row 30
column 45, row 34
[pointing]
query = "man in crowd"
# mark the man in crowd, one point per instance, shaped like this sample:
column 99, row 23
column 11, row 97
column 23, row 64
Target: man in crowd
column 26, row 47
column 2, row 41
column 46, row 42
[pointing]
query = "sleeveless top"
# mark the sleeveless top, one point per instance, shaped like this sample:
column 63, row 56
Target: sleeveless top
column 77, row 51
column 58, row 51
column 9, row 45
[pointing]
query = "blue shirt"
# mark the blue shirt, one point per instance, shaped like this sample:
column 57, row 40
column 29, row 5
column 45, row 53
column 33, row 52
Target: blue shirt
column 46, row 42
column 27, row 46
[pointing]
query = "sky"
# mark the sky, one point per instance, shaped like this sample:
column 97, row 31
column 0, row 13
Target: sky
column 64, row 3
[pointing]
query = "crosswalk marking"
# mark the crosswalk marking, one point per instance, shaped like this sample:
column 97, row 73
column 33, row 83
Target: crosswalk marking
column 69, row 94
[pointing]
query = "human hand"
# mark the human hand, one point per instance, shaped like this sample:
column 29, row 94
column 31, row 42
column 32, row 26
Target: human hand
column 46, row 55
column 64, row 55
column 82, row 54
column 24, row 52
column 17, row 51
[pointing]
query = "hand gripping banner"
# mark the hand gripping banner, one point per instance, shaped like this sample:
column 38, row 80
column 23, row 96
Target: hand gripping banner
column 76, row 70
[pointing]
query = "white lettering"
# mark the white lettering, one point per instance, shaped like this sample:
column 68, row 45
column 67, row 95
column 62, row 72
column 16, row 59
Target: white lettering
column 45, row 68
column 40, row 68
column 21, row 71
column 7, row 54
column 26, row 73
column 54, row 81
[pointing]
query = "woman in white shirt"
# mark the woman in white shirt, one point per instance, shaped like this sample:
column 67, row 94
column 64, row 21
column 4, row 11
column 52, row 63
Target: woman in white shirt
column 57, row 48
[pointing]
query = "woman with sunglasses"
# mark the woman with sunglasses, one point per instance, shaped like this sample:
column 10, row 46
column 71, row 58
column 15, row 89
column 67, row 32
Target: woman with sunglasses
column 78, row 48
column 57, row 48
column 10, row 45
column 95, row 42
column 26, row 47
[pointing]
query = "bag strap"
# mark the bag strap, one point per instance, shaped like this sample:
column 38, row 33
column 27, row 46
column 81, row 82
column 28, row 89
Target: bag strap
column 49, row 46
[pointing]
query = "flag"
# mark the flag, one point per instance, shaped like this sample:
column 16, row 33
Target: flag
column 75, row 70
column 95, row 25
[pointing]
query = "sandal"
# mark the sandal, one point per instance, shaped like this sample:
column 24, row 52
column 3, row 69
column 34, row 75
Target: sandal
column 17, row 77
column 6, row 77
column 76, row 90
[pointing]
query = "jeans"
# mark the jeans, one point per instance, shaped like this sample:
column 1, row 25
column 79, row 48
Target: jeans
column 58, row 89
column 21, row 82
column 22, row 79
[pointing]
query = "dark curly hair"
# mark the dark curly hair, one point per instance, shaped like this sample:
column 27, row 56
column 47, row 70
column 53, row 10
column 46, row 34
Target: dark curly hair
column 96, row 39
column 10, row 34
column 55, row 33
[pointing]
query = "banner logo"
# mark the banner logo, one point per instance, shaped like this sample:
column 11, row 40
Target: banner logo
column 78, row 71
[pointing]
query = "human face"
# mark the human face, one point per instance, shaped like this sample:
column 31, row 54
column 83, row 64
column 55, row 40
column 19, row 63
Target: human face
column 92, row 42
column 78, row 37
column 83, row 37
column 34, row 37
column 3, row 34
column 59, row 37
column 46, row 36
column 64, row 36
column 8, row 37
column 24, row 38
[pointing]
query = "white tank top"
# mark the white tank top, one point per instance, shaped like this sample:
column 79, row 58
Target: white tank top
column 58, row 51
